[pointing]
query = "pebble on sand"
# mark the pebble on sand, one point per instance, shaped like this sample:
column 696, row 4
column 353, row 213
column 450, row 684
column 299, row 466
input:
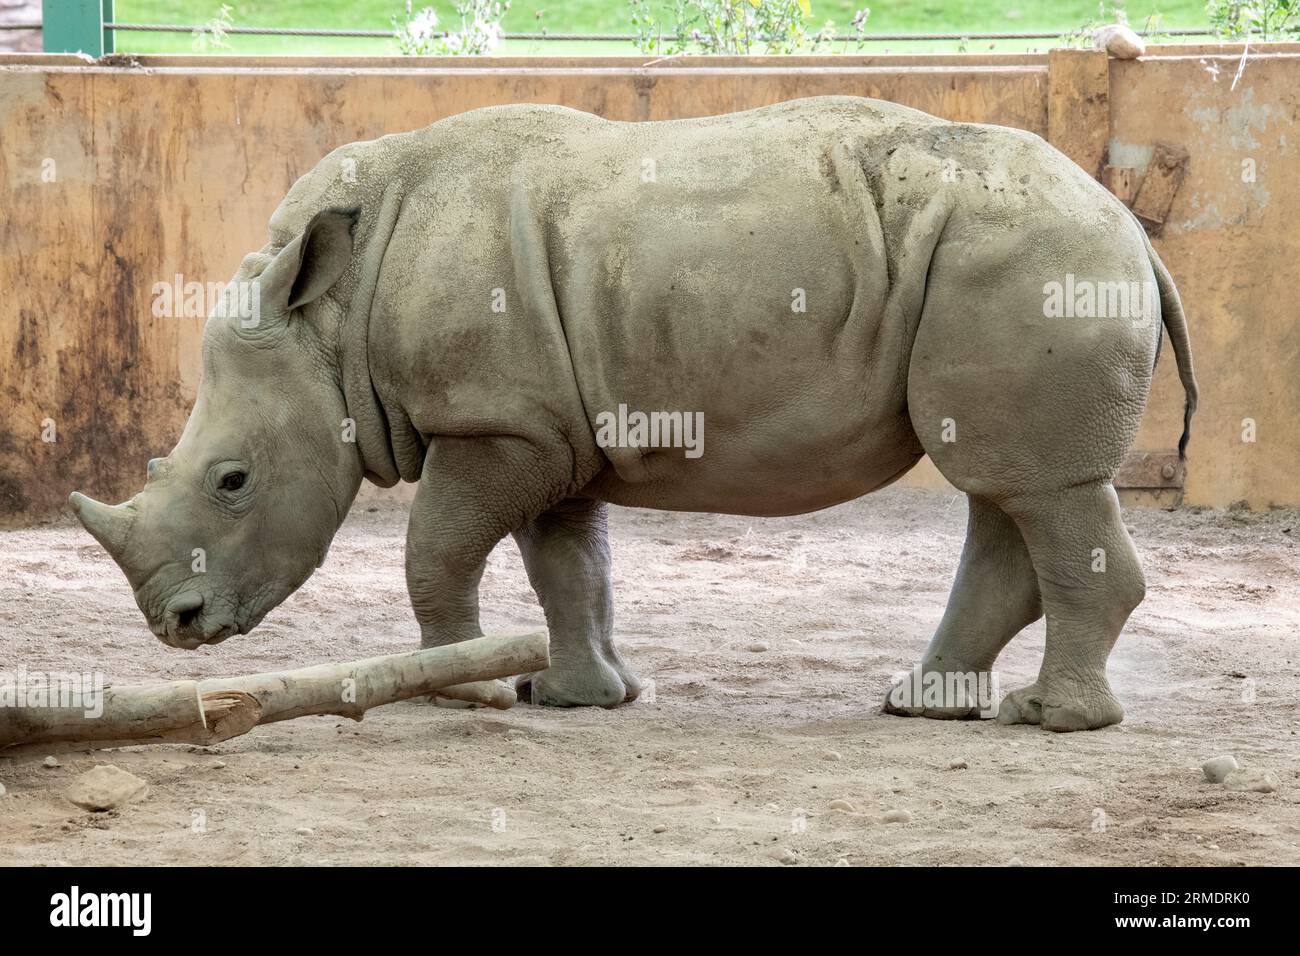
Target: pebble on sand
column 660, row 828
column 1251, row 779
column 105, row 787
column 783, row 855
column 957, row 764
column 50, row 762
column 831, row 755
column 758, row 647
column 1216, row 768
column 843, row 806
column 304, row 831
column 2, row 789
column 897, row 816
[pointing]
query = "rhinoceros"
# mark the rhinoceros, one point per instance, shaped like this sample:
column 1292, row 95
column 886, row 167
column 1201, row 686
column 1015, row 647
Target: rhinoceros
column 535, row 312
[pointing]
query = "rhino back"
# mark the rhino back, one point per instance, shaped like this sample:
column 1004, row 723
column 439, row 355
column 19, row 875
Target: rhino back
column 731, row 265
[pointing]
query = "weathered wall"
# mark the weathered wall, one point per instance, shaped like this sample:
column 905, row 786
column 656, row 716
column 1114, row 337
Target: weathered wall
column 114, row 178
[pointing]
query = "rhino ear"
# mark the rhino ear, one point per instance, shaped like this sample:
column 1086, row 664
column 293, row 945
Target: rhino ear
column 304, row 269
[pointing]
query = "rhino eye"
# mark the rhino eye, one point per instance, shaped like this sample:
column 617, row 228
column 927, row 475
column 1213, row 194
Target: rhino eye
column 232, row 482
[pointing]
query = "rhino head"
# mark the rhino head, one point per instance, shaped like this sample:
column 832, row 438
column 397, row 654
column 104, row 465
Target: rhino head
column 245, row 506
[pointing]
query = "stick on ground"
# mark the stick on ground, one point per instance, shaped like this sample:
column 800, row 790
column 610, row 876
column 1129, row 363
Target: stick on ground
column 207, row 712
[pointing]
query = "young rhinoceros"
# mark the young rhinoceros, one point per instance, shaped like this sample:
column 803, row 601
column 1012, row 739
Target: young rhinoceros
column 834, row 286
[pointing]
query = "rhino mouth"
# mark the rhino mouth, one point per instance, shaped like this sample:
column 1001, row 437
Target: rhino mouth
column 188, row 622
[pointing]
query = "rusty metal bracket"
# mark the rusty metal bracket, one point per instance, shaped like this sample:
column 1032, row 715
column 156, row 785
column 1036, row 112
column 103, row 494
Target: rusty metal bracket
column 1156, row 195
column 1121, row 181
column 1151, row 470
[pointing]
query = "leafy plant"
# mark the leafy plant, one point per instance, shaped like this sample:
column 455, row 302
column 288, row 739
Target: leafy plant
column 1257, row 19
column 735, row 27
column 212, row 34
column 480, row 30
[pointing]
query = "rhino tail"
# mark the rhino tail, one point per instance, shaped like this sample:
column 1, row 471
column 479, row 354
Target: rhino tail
column 1175, row 323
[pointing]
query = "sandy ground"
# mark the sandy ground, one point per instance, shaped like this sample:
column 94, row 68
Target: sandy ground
column 742, row 750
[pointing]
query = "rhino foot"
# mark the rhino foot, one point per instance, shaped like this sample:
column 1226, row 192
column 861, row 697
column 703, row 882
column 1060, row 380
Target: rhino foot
column 1064, row 708
column 599, row 680
column 939, row 695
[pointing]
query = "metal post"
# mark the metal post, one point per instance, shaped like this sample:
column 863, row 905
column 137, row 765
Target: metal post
column 77, row 26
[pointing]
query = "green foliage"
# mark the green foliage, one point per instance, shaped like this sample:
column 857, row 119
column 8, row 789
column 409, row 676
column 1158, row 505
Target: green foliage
column 1255, row 19
column 611, row 16
column 480, row 30
column 212, row 34
column 734, row 27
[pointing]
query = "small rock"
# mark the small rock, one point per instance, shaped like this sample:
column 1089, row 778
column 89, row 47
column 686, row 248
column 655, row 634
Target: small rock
column 1216, row 768
column 783, row 855
column 661, row 828
column 105, row 787
column 50, row 763
column 219, row 765
column 1212, row 846
column 382, row 813
column 2, row 789
column 771, row 808
column 897, row 816
column 304, row 831
column 831, row 755
column 758, row 647
column 843, row 806
column 842, row 861
column 1256, row 781
column 1015, row 861
column 957, row 764
column 1119, row 41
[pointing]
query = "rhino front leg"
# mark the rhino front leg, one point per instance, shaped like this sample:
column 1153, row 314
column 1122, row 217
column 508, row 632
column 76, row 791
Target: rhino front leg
column 472, row 493
column 566, row 553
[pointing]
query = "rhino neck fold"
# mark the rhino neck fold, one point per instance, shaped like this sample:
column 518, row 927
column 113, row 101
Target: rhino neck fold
column 364, row 407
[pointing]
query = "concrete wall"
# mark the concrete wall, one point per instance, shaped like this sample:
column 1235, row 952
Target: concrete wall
column 114, row 178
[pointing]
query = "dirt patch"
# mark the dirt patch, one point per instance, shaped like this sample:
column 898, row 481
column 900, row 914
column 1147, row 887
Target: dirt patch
column 741, row 754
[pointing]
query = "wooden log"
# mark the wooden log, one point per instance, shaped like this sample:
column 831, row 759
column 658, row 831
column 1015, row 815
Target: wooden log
column 207, row 712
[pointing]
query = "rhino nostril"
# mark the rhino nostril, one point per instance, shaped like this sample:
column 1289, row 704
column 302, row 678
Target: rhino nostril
column 183, row 611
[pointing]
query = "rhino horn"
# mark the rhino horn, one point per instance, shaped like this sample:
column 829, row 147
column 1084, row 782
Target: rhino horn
column 108, row 524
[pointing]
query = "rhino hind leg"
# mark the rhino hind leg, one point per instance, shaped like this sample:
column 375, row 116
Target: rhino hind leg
column 566, row 553
column 1091, row 580
column 1034, row 412
column 994, row 596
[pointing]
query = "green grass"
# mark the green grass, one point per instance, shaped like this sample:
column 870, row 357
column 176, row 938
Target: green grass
column 611, row 16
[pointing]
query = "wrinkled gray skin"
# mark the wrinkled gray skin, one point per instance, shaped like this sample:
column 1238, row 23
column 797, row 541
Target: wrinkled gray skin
column 655, row 265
